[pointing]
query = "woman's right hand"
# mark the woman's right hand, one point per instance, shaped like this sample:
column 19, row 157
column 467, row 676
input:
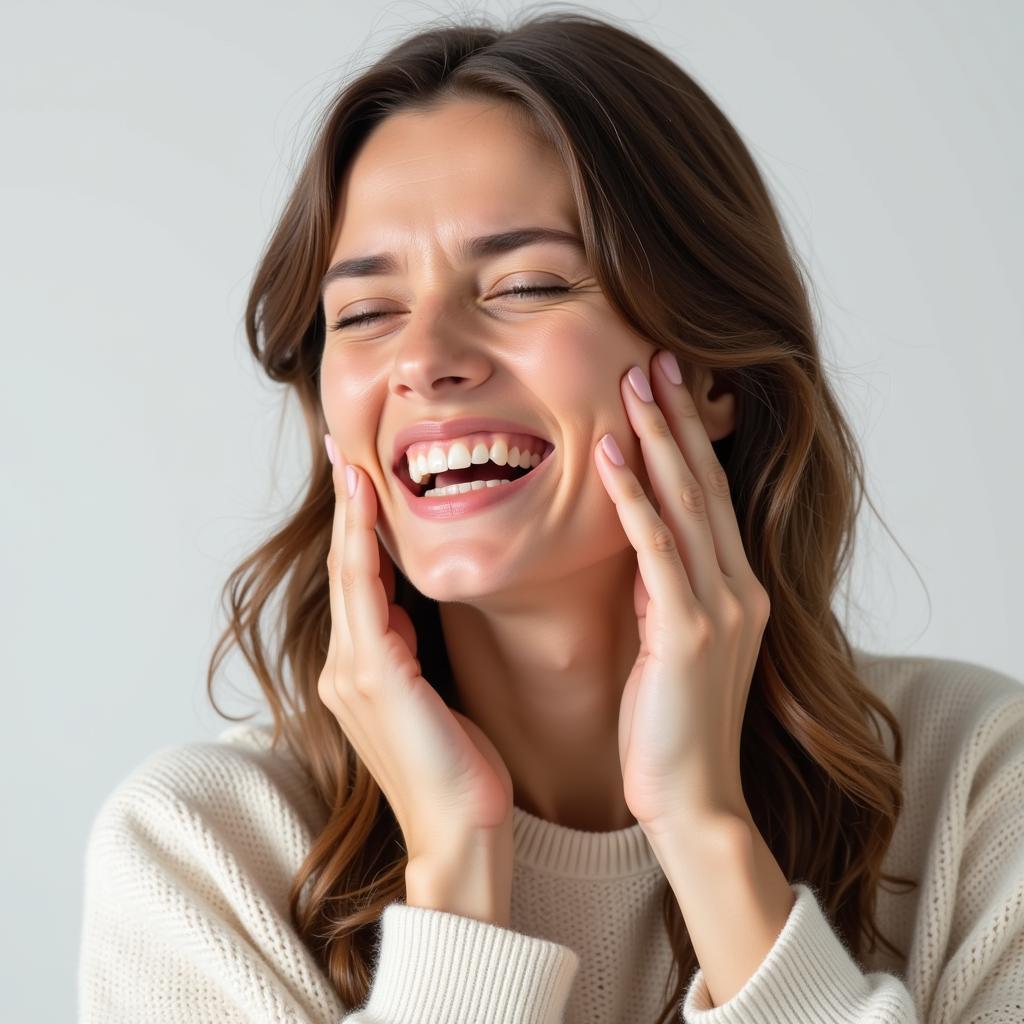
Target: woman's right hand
column 445, row 781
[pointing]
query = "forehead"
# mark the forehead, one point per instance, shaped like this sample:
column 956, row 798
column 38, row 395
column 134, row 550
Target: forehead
column 464, row 168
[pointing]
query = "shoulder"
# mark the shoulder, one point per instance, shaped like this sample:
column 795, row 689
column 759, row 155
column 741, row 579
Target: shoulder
column 962, row 734
column 233, row 798
column 942, row 701
column 189, row 866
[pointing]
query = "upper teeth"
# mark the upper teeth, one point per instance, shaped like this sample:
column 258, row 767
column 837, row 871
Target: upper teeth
column 457, row 455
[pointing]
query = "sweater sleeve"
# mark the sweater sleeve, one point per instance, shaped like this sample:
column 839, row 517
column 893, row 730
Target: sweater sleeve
column 808, row 975
column 188, row 865
column 967, row 958
column 439, row 968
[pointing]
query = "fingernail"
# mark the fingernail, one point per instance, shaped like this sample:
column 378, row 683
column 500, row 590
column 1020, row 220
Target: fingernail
column 331, row 453
column 351, row 478
column 611, row 449
column 640, row 385
column 670, row 366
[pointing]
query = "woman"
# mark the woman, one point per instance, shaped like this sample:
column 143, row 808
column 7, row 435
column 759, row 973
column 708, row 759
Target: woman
column 573, row 622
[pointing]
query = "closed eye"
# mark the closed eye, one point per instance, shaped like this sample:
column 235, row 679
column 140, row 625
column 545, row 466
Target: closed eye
column 365, row 318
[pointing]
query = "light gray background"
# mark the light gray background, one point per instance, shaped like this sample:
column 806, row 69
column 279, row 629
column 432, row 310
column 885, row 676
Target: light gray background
column 147, row 148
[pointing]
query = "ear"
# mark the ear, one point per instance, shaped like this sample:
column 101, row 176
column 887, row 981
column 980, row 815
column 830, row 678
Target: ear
column 716, row 402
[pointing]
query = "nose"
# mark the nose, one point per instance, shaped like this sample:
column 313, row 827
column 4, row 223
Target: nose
column 437, row 355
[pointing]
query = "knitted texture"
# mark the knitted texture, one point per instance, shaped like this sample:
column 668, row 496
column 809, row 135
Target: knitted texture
column 189, row 861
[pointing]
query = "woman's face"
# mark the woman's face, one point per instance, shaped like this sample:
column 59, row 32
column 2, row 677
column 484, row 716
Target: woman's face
column 449, row 344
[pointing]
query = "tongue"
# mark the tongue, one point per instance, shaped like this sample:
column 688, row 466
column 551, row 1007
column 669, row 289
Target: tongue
column 481, row 471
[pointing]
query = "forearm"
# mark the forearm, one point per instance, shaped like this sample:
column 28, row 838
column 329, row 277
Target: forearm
column 733, row 896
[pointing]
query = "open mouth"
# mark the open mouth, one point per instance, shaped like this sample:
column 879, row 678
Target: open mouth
column 478, row 471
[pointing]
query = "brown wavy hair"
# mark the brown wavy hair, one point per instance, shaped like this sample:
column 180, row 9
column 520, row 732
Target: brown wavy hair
column 683, row 236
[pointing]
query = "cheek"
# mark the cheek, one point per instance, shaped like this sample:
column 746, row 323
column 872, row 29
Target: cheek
column 350, row 400
column 573, row 366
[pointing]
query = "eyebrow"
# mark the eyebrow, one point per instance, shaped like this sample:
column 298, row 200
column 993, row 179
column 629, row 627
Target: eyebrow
column 469, row 249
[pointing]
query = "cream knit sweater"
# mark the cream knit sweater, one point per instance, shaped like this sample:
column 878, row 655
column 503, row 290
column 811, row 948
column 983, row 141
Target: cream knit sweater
column 189, row 861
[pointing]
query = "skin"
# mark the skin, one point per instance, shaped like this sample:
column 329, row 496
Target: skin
column 536, row 593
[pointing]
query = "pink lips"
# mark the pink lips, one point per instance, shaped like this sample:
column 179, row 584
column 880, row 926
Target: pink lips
column 445, row 430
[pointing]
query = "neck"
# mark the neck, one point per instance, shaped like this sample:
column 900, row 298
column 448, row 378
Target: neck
column 542, row 675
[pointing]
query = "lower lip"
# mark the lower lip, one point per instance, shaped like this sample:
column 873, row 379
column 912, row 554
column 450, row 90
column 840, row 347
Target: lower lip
column 454, row 506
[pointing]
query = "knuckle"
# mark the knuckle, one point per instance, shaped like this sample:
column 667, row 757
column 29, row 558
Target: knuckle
column 348, row 581
column 633, row 490
column 325, row 690
column 660, row 429
column 732, row 612
column 717, row 478
column 363, row 683
column 703, row 630
column 663, row 542
column 688, row 408
column 762, row 602
column 755, row 597
column 692, row 497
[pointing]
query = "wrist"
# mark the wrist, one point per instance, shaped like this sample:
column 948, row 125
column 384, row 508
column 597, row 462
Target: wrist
column 700, row 841
column 475, row 881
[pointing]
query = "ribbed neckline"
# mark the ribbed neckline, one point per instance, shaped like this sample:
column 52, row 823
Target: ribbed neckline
column 558, row 849
column 538, row 843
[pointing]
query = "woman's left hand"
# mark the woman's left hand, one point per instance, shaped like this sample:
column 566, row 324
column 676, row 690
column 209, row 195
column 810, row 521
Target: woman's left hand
column 701, row 613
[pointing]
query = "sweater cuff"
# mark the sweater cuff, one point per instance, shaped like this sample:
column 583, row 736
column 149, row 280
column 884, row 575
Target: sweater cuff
column 808, row 975
column 434, row 967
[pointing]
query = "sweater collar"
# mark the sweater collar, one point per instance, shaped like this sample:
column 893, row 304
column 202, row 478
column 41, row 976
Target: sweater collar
column 558, row 849
column 539, row 844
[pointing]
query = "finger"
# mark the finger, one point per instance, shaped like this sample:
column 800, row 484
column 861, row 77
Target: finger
column 360, row 586
column 664, row 575
column 339, row 646
column 387, row 570
column 387, row 573
column 345, row 588
column 684, row 420
column 397, row 618
column 641, row 599
column 680, row 495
